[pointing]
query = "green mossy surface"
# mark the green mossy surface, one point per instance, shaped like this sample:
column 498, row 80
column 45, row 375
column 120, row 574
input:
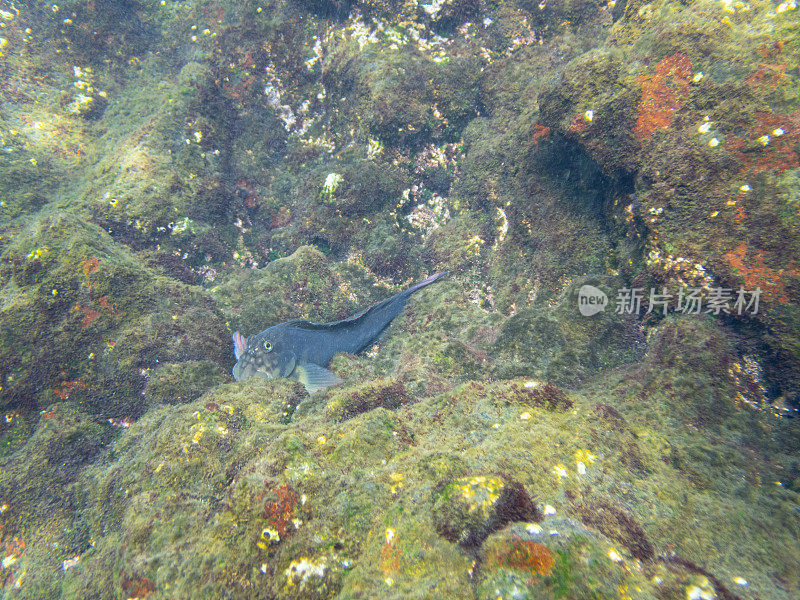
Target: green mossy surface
column 82, row 319
column 173, row 172
column 368, row 504
column 681, row 98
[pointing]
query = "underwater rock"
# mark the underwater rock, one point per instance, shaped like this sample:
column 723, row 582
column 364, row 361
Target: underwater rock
column 157, row 185
column 106, row 318
column 709, row 154
column 182, row 382
column 469, row 509
column 560, row 558
column 306, row 158
column 404, row 558
column 387, row 393
column 562, row 345
column 38, row 483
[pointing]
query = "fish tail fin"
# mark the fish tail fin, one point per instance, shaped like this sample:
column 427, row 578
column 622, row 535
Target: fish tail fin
column 426, row 282
column 394, row 307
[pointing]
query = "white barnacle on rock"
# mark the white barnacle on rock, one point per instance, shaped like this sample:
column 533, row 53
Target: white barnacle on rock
column 332, row 182
column 302, row 571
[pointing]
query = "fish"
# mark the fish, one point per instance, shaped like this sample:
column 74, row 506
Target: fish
column 301, row 350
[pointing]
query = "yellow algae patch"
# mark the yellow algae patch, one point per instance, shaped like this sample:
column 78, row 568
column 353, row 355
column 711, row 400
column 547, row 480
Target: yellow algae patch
column 486, row 489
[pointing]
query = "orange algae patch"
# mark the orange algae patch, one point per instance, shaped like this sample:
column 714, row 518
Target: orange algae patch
column 663, row 94
column 540, row 132
column 523, row 555
column 578, row 124
column 757, row 275
column 106, row 305
column 68, row 387
column 90, row 265
column 280, row 512
column 138, row 588
column 14, row 549
column 776, row 152
column 769, row 74
column 391, row 558
column 740, row 216
column 90, row 315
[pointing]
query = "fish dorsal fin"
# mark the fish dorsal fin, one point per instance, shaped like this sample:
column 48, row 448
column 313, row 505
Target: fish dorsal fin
column 311, row 326
column 354, row 319
column 351, row 320
column 314, row 377
column 239, row 344
column 304, row 324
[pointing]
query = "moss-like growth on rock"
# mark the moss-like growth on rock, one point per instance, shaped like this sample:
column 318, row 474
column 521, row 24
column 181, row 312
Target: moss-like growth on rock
column 387, row 393
column 467, row 510
column 83, row 320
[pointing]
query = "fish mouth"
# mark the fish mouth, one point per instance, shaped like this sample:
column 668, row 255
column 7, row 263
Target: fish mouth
column 244, row 370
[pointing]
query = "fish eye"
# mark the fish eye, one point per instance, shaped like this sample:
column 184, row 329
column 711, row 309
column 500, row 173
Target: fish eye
column 268, row 346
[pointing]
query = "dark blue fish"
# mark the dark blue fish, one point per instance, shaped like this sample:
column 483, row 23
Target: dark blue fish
column 301, row 350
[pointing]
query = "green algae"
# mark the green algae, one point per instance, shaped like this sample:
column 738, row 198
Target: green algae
column 230, row 465
column 68, row 283
column 485, row 152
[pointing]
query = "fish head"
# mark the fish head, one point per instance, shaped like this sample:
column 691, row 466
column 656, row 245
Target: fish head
column 261, row 355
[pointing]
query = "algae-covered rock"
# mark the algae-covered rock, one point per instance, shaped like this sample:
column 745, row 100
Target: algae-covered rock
column 404, row 558
column 157, row 183
column 708, row 178
column 277, row 502
column 82, row 319
column 562, row 344
column 40, row 490
column 387, row 393
column 564, row 560
column 469, row 509
column 306, row 159
column 182, row 382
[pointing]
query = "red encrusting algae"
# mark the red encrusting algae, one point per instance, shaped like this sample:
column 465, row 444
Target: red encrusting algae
column 540, row 132
column 90, row 265
column 767, row 145
column 67, row 387
column 757, row 275
column 523, row 555
column 391, row 558
column 663, row 94
column 280, row 512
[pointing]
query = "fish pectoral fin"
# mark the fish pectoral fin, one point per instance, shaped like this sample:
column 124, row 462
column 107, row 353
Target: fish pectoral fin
column 314, row 377
column 290, row 365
